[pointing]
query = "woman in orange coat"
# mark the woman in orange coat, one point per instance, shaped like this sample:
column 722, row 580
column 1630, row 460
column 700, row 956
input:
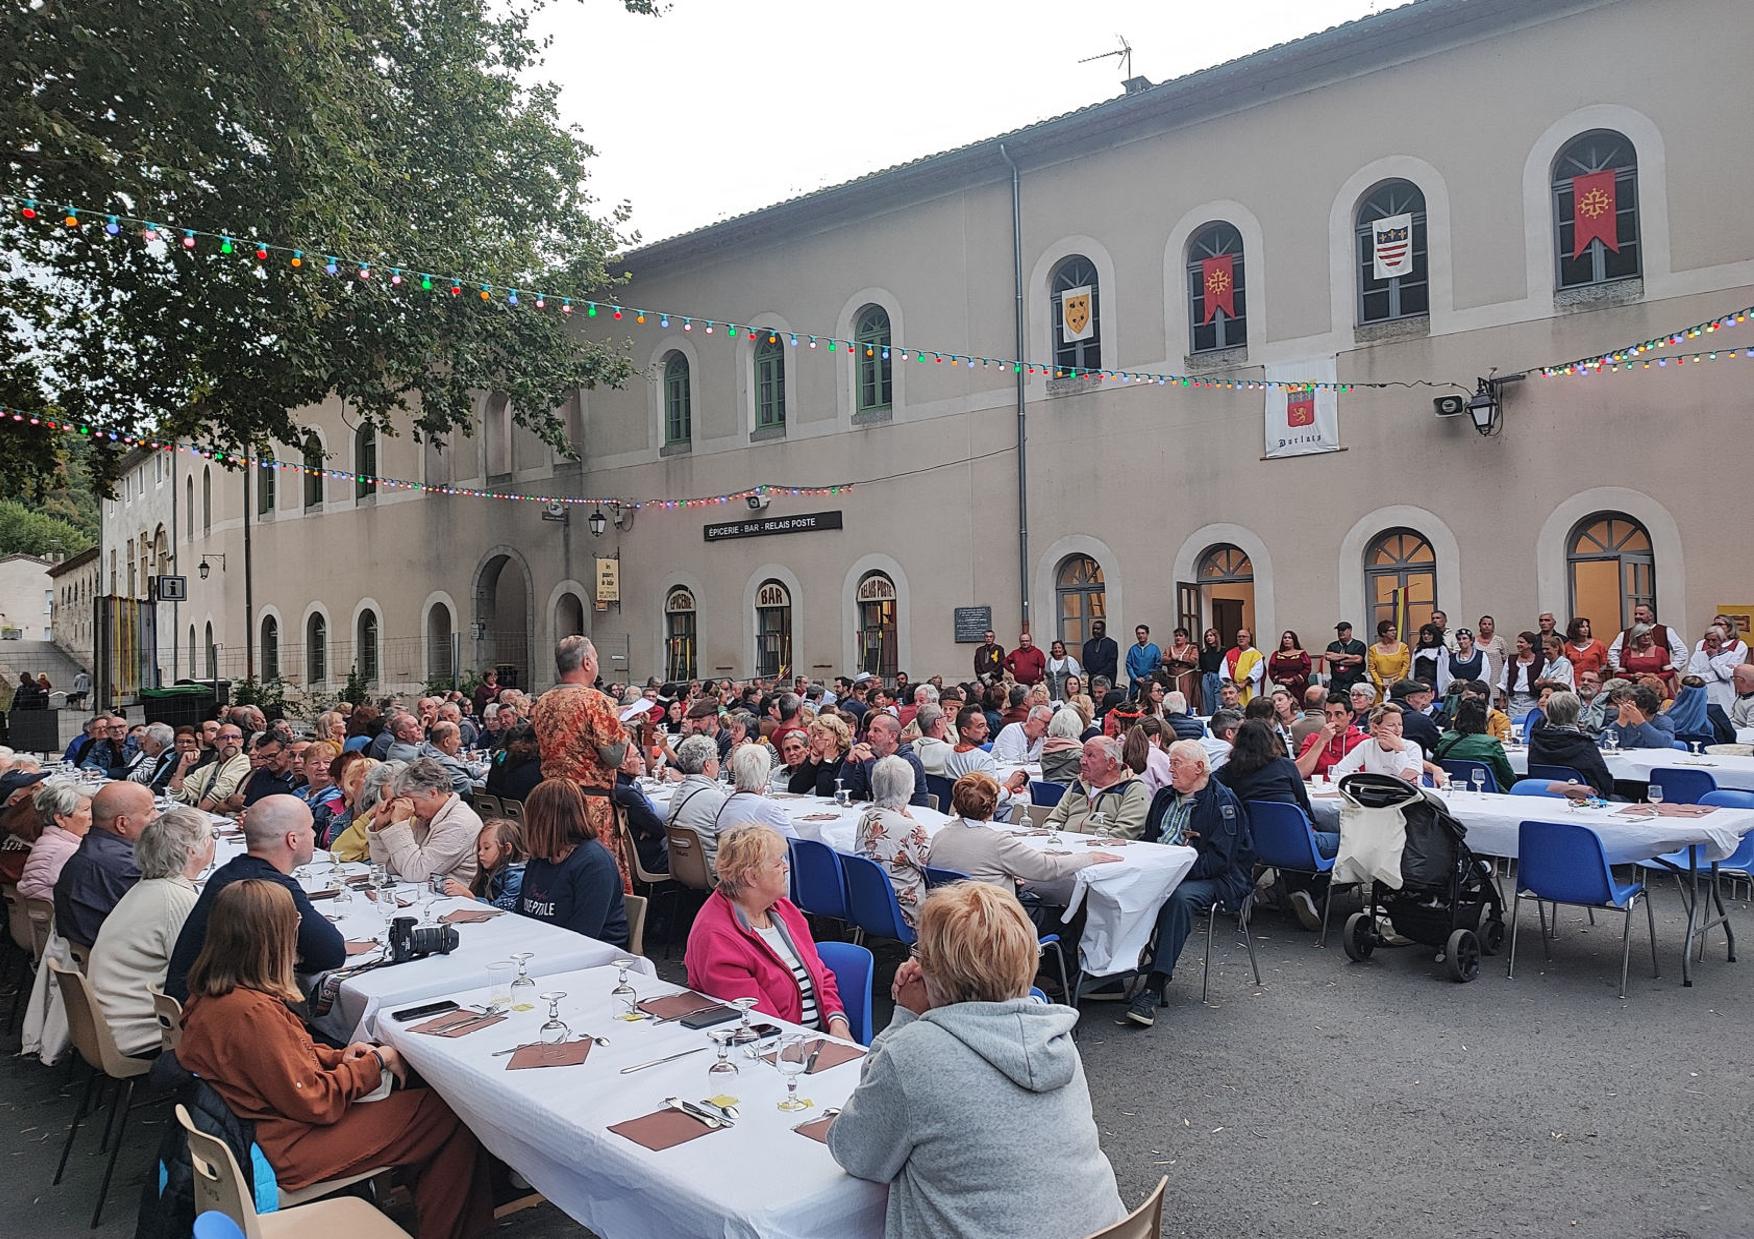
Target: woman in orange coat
column 240, row 1036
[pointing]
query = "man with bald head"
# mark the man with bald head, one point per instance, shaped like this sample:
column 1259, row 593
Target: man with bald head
column 882, row 739
column 278, row 838
column 95, row 877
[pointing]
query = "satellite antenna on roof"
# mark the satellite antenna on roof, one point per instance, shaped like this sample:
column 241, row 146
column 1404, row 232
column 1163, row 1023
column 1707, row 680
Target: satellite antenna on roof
column 1124, row 51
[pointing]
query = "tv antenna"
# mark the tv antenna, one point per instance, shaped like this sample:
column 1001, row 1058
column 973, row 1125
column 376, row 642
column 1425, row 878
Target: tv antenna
column 1124, row 51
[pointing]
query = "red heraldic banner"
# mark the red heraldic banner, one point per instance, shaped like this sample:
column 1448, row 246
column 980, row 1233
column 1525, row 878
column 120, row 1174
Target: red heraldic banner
column 1218, row 279
column 1593, row 208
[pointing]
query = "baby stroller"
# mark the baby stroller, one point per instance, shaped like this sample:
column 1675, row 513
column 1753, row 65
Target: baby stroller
column 1401, row 842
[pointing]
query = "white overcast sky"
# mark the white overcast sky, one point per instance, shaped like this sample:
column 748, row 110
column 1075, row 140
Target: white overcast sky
column 720, row 106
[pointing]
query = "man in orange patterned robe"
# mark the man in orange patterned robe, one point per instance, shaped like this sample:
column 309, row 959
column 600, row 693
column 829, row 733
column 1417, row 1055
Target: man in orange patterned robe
column 581, row 737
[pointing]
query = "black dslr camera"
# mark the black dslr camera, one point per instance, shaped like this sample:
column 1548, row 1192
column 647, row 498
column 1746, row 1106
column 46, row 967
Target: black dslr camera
column 408, row 941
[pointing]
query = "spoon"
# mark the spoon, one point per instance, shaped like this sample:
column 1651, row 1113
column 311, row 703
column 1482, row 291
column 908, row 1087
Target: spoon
column 703, row 1116
column 730, row 1112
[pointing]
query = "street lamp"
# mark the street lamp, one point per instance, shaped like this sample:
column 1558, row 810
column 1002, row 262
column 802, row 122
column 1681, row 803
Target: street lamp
column 205, row 569
column 599, row 522
column 1483, row 408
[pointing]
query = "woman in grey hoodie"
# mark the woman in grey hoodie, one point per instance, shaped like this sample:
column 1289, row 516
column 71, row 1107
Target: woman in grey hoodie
column 967, row 1063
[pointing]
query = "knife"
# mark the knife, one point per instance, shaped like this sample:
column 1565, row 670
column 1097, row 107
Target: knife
column 815, row 1053
column 711, row 1121
column 699, row 1049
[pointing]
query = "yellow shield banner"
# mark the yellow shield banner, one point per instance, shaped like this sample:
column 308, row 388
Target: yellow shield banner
column 1076, row 320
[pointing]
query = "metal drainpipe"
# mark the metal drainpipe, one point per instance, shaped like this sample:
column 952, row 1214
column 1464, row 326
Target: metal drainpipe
column 1022, row 414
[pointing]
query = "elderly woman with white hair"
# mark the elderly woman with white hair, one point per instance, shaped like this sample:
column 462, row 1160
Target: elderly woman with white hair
column 889, row 835
column 65, row 810
column 968, row 1063
column 749, row 803
column 430, row 832
column 133, row 948
column 1061, row 748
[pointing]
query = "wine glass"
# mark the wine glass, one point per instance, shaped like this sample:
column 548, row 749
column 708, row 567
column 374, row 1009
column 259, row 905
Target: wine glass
column 555, row 1030
column 1655, row 793
column 1696, row 747
column 743, row 1034
column 842, row 797
column 1477, row 784
column 523, row 987
column 623, row 998
column 791, row 1057
column 722, row 1066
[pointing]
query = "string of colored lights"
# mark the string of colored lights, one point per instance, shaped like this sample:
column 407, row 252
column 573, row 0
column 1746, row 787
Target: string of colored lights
column 762, row 489
column 404, row 276
column 1638, row 355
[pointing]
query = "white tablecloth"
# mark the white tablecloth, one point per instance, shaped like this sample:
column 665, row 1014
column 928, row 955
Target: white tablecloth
column 759, row 1180
column 1635, row 765
column 1493, row 821
column 1120, row 900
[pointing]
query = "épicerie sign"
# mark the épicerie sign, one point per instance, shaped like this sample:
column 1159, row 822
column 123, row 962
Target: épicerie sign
column 763, row 526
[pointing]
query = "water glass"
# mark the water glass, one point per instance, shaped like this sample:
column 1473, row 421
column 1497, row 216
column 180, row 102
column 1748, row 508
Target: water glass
column 1654, row 794
column 500, row 973
column 555, row 1030
column 842, row 797
column 523, row 986
column 623, row 999
column 1476, row 784
column 721, row 1039
column 1696, row 747
column 744, row 1033
column 791, row 1056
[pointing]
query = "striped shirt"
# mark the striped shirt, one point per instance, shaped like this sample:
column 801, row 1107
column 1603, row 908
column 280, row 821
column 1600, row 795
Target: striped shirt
column 776, row 942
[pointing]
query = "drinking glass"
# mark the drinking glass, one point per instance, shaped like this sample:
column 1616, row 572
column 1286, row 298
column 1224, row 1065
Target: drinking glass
column 791, row 1057
column 722, row 1066
column 1696, row 747
column 500, row 973
column 523, row 987
column 555, row 1030
column 743, row 1034
column 842, row 797
column 1477, row 784
column 623, row 997
column 1655, row 793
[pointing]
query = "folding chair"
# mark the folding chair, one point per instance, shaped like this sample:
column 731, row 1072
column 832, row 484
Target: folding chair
column 1145, row 1222
column 91, row 1036
column 1565, row 862
column 853, row 967
column 1285, row 839
column 488, row 806
column 871, row 900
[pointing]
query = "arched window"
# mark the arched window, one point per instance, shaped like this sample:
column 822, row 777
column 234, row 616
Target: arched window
column 313, row 463
column 1227, row 590
column 129, row 560
column 316, row 650
column 1080, row 599
column 1077, row 312
column 1595, row 189
column 189, row 521
column 1611, row 569
column 270, row 648
column 678, row 400
column 679, row 635
column 191, row 649
column 773, row 630
column 1393, row 280
column 875, row 375
column 770, row 383
column 212, row 654
column 1399, row 559
column 1217, row 296
column 206, row 500
column 265, row 487
column 365, row 461
column 879, row 647
column 366, row 647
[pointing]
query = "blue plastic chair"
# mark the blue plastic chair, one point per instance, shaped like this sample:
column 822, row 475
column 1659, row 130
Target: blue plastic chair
column 1042, row 792
column 1285, row 839
column 1555, row 774
column 942, row 877
column 871, row 900
column 1465, row 770
column 852, row 967
column 817, row 877
column 1534, row 787
column 1038, row 995
column 1682, row 786
column 1565, row 862
column 1738, row 865
column 215, row 1225
column 939, row 786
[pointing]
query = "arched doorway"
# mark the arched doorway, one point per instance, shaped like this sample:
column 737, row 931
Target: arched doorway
column 1080, row 599
column 879, row 653
column 1610, row 569
column 773, row 630
column 502, row 620
column 569, row 616
column 679, row 634
column 1226, row 578
column 441, row 661
column 1399, row 559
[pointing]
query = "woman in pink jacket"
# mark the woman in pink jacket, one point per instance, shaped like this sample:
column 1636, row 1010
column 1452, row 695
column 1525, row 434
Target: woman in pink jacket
column 750, row 942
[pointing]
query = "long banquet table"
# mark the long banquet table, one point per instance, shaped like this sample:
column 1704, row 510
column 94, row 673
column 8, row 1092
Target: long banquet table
column 1634, row 765
column 758, row 1180
column 1120, row 899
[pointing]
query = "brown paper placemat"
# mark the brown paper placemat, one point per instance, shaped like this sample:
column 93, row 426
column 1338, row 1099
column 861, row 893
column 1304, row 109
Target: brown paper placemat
column 676, row 1005
column 563, row 1054
column 820, row 817
column 663, row 1129
column 1103, row 841
column 833, row 1055
column 457, row 1024
column 1055, row 852
column 1666, row 810
column 816, row 1129
column 360, row 948
column 468, row 916
column 315, row 896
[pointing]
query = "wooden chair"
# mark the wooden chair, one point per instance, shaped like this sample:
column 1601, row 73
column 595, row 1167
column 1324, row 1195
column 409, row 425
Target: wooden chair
column 1145, row 1222
column 90, row 1033
column 488, row 806
column 636, row 923
column 169, row 1014
column 655, row 883
column 18, row 923
column 80, row 955
column 220, row 1187
column 42, row 918
column 688, row 867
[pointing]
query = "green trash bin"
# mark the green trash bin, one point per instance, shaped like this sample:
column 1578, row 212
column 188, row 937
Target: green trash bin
column 180, row 705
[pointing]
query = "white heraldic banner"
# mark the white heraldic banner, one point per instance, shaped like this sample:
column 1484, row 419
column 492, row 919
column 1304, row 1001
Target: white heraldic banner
column 1302, row 421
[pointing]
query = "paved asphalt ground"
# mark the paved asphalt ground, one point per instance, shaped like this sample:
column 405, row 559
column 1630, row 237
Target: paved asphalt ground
column 1337, row 1099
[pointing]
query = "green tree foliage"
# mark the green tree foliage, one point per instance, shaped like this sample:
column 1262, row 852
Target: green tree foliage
column 409, row 131
column 23, row 529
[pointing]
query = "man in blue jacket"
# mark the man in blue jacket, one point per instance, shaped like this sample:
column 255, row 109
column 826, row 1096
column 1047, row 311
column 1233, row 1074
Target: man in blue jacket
column 1143, row 659
column 1202, row 813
